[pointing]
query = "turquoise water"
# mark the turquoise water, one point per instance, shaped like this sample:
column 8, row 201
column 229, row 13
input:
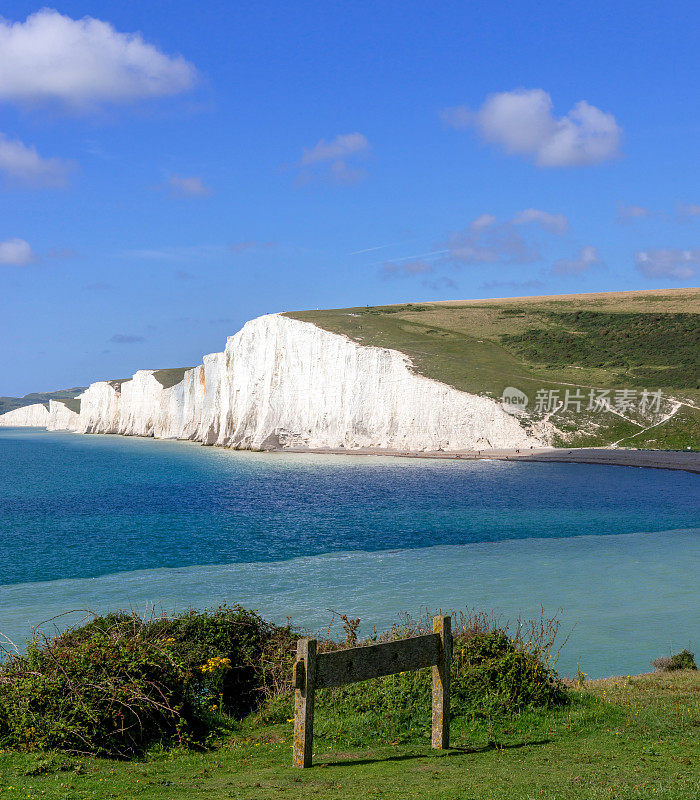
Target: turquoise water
column 98, row 522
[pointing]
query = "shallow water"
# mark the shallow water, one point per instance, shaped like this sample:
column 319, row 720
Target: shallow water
column 111, row 522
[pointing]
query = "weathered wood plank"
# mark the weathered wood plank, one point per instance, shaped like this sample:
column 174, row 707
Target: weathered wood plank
column 304, row 674
column 317, row 671
column 375, row 661
column 441, row 684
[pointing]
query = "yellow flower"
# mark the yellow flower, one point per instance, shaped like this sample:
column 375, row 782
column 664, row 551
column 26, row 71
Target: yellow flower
column 216, row 663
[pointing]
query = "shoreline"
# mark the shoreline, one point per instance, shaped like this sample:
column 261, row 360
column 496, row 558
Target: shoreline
column 649, row 459
column 679, row 460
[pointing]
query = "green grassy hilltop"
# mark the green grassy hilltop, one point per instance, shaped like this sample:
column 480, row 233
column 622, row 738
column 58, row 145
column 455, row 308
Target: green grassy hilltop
column 610, row 341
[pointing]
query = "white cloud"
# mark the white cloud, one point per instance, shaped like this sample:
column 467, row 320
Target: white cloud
column 51, row 57
column 488, row 241
column 418, row 268
column 458, row 117
column 554, row 223
column 251, row 244
column 484, row 241
column 440, row 283
column 344, row 174
column 672, row 262
column 587, row 258
column 126, row 338
column 347, row 144
column 523, row 124
column 187, row 187
column 376, row 247
column 177, row 253
column 407, row 268
column 16, row 253
column 494, row 244
column 334, row 161
column 630, row 212
column 433, row 254
column 22, row 164
column 483, row 221
column 61, row 252
column 512, row 285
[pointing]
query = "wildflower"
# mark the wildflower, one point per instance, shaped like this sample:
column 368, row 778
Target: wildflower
column 215, row 664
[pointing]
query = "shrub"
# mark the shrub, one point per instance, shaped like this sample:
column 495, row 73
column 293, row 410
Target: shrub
column 682, row 660
column 493, row 673
column 107, row 694
column 118, row 684
column 260, row 655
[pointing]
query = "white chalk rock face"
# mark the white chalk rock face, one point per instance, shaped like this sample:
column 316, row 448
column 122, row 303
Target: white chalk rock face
column 33, row 416
column 139, row 404
column 61, row 417
column 284, row 383
column 179, row 409
column 288, row 383
column 99, row 408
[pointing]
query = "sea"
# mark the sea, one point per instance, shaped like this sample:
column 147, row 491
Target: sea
column 96, row 523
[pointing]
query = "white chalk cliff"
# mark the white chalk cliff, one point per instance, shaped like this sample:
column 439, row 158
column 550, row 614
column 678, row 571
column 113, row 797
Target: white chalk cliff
column 62, row 418
column 33, row 416
column 57, row 417
column 284, row 383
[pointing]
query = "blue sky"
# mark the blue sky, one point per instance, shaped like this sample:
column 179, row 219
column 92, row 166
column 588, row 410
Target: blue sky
column 230, row 160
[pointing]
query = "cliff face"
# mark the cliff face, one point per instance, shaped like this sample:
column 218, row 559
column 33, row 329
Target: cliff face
column 99, row 408
column 57, row 417
column 62, row 418
column 285, row 383
column 33, row 416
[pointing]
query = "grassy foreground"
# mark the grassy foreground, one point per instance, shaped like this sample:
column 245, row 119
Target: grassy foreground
column 620, row 738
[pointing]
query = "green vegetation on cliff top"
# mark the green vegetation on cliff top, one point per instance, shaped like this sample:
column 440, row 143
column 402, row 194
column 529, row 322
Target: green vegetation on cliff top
column 166, row 377
column 170, row 377
column 73, row 405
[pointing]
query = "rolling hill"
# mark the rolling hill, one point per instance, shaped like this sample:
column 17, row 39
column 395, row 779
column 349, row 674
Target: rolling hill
column 630, row 345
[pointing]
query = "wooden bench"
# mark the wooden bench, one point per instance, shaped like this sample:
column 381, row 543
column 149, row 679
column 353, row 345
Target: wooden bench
column 313, row 670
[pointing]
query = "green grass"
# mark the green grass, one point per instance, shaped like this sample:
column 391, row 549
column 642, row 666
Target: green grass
column 642, row 349
column 624, row 738
column 631, row 340
column 170, row 377
column 73, row 405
